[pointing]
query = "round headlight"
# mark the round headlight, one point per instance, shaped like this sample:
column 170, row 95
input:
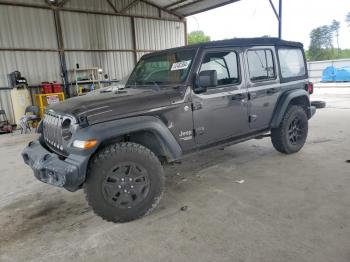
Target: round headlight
column 66, row 131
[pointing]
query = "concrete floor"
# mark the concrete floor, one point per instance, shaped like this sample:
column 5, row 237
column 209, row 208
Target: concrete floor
column 290, row 208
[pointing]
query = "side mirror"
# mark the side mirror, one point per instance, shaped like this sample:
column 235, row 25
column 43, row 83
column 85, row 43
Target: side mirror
column 205, row 79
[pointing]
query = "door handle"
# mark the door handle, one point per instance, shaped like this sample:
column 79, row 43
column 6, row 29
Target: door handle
column 252, row 95
column 238, row 97
column 272, row 90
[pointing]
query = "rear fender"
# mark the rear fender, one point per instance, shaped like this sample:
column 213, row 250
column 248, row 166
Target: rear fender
column 294, row 97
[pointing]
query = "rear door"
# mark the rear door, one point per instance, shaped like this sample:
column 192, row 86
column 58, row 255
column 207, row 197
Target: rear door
column 263, row 85
column 221, row 112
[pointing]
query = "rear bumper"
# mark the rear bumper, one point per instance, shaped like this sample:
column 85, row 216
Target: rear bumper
column 69, row 173
column 312, row 111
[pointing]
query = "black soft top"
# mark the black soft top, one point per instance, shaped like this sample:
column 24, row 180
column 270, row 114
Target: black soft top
column 240, row 42
column 251, row 42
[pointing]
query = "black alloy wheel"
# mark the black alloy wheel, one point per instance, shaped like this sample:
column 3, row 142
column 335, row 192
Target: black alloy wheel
column 126, row 185
column 296, row 131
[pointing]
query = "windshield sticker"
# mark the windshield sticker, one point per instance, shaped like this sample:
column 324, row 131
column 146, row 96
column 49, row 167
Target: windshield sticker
column 180, row 65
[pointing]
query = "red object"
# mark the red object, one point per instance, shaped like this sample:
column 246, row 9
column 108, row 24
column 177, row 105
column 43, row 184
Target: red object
column 6, row 128
column 310, row 87
column 46, row 88
column 57, row 87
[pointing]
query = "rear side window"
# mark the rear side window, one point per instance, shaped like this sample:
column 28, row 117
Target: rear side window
column 291, row 62
column 225, row 64
column 261, row 65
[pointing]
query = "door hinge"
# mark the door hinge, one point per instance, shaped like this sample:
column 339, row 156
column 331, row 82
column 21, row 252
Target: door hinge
column 198, row 131
column 196, row 106
column 252, row 118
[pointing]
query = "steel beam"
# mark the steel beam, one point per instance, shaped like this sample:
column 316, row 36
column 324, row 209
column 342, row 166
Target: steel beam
column 133, row 34
column 280, row 20
column 202, row 10
column 278, row 16
column 60, row 44
column 129, row 6
column 175, row 4
column 112, row 6
column 162, row 8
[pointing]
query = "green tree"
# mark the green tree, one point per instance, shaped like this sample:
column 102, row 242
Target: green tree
column 347, row 19
column 321, row 44
column 197, row 37
column 335, row 26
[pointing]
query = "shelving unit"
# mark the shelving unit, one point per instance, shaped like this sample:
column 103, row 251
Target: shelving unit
column 79, row 78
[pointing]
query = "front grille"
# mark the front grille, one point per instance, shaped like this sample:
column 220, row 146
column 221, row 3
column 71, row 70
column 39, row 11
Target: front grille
column 52, row 130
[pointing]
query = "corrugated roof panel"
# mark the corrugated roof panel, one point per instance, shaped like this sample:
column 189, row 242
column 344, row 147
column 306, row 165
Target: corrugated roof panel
column 121, row 4
column 35, row 66
column 157, row 35
column 163, row 3
column 182, row 8
column 116, row 64
column 22, row 27
column 143, row 9
column 168, row 16
column 194, row 6
column 91, row 31
column 91, row 5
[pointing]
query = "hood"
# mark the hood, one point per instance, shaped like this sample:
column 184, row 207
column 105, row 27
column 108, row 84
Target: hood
column 104, row 106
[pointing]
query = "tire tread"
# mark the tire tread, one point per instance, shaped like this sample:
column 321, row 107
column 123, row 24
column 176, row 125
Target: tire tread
column 104, row 154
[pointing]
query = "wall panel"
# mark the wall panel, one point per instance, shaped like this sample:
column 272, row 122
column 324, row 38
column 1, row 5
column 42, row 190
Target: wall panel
column 116, row 64
column 35, row 66
column 157, row 35
column 34, row 28
column 23, row 27
column 90, row 31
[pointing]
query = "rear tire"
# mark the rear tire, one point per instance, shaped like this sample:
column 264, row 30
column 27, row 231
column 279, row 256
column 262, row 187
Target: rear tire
column 292, row 132
column 125, row 181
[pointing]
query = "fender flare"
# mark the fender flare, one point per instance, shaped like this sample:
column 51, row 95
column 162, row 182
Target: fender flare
column 284, row 102
column 116, row 128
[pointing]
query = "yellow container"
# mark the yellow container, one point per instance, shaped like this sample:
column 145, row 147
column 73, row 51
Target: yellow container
column 44, row 100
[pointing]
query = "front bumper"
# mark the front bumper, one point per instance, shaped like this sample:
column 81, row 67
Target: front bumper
column 69, row 173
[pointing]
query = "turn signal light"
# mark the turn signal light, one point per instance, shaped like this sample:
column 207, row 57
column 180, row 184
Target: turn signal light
column 84, row 144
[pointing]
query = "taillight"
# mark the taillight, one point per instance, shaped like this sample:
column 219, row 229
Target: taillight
column 309, row 87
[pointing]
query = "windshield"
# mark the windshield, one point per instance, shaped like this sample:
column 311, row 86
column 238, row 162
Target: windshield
column 162, row 69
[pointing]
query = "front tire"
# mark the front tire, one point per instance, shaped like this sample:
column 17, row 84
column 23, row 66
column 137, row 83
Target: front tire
column 292, row 132
column 125, row 181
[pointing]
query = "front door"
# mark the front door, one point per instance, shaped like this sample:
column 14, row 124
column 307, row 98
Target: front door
column 221, row 112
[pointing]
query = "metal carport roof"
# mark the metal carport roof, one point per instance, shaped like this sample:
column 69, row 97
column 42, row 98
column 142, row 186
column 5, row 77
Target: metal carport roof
column 189, row 7
column 183, row 8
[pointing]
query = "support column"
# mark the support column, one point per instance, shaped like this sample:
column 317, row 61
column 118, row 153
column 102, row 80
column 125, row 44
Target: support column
column 61, row 53
column 280, row 19
column 133, row 35
column 185, row 31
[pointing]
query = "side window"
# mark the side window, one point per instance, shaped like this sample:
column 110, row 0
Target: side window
column 291, row 62
column 225, row 64
column 261, row 65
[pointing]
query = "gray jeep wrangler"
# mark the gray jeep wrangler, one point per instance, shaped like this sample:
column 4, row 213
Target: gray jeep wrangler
column 175, row 102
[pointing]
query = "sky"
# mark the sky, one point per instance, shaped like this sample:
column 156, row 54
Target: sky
column 255, row 18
